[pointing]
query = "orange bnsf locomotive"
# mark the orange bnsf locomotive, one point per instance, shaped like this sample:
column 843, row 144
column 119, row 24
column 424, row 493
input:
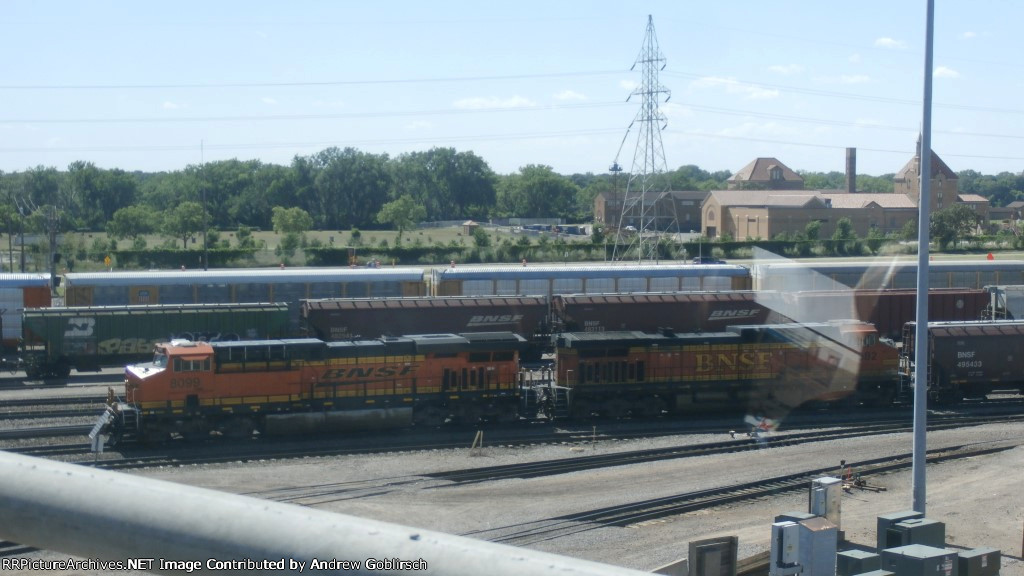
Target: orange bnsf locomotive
column 288, row 386
column 763, row 369
column 305, row 385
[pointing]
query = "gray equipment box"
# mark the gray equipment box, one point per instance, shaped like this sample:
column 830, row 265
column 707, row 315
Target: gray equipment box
column 852, row 562
column 919, row 560
column 887, row 521
column 917, row 531
column 980, row 562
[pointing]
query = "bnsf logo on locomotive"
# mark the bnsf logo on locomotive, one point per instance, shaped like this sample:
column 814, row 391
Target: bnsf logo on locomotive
column 744, row 313
column 368, row 372
column 744, row 361
column 484, row 320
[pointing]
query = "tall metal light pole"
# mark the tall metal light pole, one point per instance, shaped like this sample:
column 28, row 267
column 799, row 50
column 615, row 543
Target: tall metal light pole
column 921, row 330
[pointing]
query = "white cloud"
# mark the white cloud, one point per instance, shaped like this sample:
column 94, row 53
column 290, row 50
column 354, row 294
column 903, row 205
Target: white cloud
column 890, row 43
column 418, row 125
column 675, row 111
column 786, row 70
column 628, row 84
column 854, row 79
column 731, row 86
column 569, row 95
column 968, row 35
column 854, row 58
column 944, row 72
column 493, row 102
column 329, row 103
column 268, row 100
column 168, row 105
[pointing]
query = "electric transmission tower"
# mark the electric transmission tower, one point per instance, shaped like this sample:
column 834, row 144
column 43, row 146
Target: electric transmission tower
column 647, row 208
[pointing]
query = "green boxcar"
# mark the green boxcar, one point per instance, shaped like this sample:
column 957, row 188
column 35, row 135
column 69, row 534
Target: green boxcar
column 88, row 338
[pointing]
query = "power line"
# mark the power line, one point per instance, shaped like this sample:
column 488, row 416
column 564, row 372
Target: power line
column 441, row 79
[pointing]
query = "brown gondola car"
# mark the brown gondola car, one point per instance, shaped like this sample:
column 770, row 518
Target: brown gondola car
column 769, row 369
column 680, row 311
column 967, row 359
column 351, row 318
column 306, row 385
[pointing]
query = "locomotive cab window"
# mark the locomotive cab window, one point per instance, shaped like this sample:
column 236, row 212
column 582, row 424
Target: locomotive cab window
column 191, row 364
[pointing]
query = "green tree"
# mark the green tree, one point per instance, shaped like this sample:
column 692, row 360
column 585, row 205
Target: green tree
column 450, row 185
column 813, row 230
column 481, row 238
column 131, row 222
column 951, row 224
column 97, row 194
column 537, row 192
column 342, row 188
column 875, row 239
column 402, row 213
column 291, row 220
column 184, row 221
column 844, row 237
column 909, row 230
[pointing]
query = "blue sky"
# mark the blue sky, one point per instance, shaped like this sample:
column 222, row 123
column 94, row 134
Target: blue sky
column 161, row 85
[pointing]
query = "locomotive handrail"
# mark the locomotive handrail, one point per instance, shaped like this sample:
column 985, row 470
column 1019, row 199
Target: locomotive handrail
column 100, row 515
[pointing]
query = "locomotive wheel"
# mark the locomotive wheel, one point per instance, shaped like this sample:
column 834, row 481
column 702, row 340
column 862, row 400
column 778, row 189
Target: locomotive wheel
column 616, row 408
column 32, row 372
column 194, row 430
column 505, row 414
column 428, row 415
column 581, row 409
column 62, row 370
column 238, row 428
column 649, row 407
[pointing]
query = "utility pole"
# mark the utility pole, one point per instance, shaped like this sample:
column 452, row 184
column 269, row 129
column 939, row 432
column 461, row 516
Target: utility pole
column 51, row 225
column 21, row 233
column 202, row 185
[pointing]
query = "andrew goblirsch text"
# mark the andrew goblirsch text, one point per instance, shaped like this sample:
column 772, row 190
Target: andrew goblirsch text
column 162, row 564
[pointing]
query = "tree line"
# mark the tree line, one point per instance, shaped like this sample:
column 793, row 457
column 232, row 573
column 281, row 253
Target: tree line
column 344, row 189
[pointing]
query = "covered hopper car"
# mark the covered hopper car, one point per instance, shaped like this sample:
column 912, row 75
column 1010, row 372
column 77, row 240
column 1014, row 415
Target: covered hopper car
column 652, row 312
column 967, row 359
column 363, row 318
column 91, row 337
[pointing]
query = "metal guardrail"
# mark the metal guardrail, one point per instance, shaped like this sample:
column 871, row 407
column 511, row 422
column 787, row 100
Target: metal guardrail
column 155, row 526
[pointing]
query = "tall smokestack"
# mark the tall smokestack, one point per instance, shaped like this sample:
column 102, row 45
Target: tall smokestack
column 851, row 170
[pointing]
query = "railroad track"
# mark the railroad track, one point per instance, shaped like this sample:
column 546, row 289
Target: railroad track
column 44, row 432
column 61, row 401
column 637, row 513
column 579, row 463
column 214, row 451
column 43, row 414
